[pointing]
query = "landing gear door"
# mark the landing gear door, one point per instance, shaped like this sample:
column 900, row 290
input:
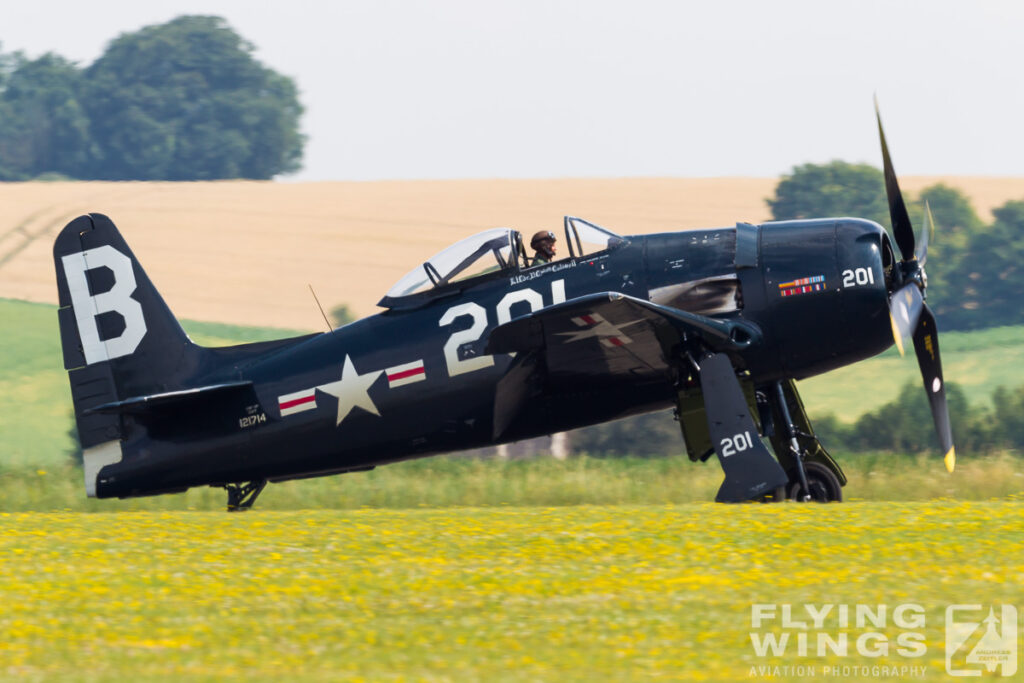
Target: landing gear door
column 750, row 470
column 693, row 419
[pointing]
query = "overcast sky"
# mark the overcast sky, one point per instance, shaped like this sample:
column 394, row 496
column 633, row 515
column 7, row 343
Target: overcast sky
column 470, row 88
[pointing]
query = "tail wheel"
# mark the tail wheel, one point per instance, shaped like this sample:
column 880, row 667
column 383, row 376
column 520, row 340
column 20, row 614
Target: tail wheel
column 823, row 484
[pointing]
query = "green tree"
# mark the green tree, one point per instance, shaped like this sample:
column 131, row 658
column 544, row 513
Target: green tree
column 906, row 424
column 648, row 435
column 341, row 315
column 43, row 128
column 1008, row 420
column 992, row 271
column 834, row 189
column 956, row 224
column 953, row 213
column 7, row 65
column 187, row 100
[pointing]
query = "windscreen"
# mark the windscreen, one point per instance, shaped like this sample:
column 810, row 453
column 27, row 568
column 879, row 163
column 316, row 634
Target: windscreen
column 586, row 238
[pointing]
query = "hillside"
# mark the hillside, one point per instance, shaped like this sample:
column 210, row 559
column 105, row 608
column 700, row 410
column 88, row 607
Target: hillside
column 244, row 252
column 35, row 397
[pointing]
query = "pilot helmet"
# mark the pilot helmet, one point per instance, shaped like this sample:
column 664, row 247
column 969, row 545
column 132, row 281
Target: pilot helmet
column 541, row 237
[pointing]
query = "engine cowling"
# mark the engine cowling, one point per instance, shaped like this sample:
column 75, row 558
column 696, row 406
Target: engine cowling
column 817, row 289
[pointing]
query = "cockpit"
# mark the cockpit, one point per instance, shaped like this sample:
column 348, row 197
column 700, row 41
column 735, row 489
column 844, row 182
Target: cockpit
column 494, row 252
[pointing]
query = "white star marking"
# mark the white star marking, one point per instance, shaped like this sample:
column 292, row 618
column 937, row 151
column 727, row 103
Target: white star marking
column 352, row 390
column 600, row 330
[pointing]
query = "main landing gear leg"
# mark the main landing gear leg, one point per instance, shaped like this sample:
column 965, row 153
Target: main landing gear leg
column 791, row 432
column 242, row 496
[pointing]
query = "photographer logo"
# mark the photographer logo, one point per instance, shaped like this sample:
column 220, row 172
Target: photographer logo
column 980, row 642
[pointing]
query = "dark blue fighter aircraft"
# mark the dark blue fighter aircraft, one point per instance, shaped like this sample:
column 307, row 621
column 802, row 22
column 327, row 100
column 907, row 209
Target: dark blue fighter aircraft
column 479, row 346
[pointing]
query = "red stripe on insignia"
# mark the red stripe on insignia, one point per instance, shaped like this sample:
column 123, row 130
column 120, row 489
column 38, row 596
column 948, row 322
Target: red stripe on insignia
column 615, row 340
column 285, row 405
column 406, row 373
column 588, row 320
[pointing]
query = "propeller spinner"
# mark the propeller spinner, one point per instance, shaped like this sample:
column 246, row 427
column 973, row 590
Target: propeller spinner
column 908, row 311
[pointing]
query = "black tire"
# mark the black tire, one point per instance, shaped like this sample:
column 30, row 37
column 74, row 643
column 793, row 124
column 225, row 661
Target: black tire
column 823, row 483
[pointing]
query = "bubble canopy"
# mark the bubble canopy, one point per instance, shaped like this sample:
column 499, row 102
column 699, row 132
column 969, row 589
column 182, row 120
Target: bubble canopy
column 486, row 251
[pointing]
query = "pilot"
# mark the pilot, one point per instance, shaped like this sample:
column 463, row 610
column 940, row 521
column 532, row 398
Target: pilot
column 544, row 245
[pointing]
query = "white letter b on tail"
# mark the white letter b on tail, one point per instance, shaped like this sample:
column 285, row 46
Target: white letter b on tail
column 117, row 299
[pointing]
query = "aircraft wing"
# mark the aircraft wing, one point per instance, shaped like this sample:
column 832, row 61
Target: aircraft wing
column 610, row 333
column 636, row 328
column 600, row 339
column 597, row 340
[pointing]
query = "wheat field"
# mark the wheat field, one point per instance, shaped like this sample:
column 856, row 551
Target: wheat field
column 244, row 252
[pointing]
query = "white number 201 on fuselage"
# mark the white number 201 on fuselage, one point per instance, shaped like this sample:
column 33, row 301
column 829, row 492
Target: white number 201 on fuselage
column 503, row 312
column 858, row 276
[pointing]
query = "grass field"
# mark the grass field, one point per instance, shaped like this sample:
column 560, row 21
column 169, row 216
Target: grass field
column 452, row 481
column 979, row 361
column 611, row 593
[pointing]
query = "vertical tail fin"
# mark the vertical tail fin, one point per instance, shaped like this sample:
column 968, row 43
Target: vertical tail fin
column 118, row 337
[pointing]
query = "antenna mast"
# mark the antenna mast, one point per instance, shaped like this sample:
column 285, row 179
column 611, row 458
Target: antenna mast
column 329, row 328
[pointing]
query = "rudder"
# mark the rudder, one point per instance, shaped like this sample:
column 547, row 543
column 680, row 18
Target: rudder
column 118, row 337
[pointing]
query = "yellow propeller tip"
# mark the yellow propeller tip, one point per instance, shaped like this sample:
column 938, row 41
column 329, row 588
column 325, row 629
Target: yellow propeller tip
column 896, row 334
column 950, row 459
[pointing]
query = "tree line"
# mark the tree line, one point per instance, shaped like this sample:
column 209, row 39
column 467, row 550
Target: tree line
column 185, row 100
column 904, row 425
column 975, row 269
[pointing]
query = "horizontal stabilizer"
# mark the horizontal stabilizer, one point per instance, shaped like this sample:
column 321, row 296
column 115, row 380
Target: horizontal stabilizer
column 137, row 405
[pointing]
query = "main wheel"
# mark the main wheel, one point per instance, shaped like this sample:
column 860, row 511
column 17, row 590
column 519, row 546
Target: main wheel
column 823, row 484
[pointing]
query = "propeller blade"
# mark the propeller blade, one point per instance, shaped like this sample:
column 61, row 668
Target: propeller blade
column 926, row 343
column 905, row 307
column 928, row 231
column 902, row 230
